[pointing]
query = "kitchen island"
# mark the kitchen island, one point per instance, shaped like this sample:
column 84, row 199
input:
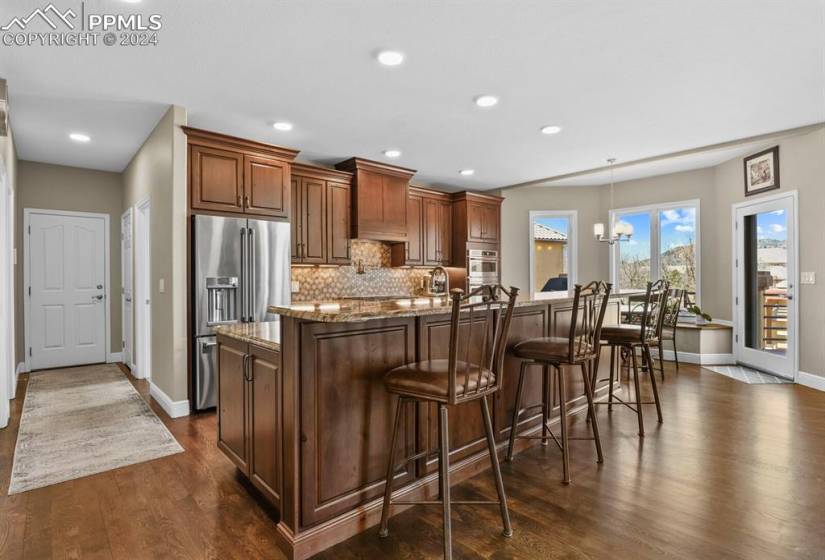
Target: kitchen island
column 304, row 414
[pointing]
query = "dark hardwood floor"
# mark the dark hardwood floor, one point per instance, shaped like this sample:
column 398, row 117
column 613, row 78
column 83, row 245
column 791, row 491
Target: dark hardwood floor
column 736, row 471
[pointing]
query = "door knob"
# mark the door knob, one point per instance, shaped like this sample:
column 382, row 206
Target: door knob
column 97, row 297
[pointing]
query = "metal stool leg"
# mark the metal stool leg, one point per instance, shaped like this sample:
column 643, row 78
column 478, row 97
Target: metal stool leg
column 545, row 398
column 514, row 425
column 385, row 511
column 491, row 445
column 638, row 392
column 594, row 425
column 675, row 352
column 662, row 359
column 655, row 390
column 563, row 422
column 444, row 476
column 612, row 377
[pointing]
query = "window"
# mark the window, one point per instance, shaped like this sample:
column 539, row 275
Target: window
column 552, row 251
column 665, row 244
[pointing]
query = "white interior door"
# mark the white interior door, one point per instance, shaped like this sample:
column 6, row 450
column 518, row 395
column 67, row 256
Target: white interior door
column 66, row 256
column 126, row 284
column 766, row 272
column 142, row 292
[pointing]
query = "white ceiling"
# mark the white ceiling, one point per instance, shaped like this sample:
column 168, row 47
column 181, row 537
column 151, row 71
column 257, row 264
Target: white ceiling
column 630, row 79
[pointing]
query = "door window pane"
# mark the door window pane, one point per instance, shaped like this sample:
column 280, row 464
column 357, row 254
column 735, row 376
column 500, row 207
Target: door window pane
column 551, row 236
column 634, row 255
column 766, row 281
column 677, row 247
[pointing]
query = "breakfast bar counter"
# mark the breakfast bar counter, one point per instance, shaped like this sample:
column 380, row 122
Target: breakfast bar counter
column 317, row 419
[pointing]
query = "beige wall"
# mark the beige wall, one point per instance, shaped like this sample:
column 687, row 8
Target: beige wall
column 802, row 166
column 158, row 172
column 56, row 187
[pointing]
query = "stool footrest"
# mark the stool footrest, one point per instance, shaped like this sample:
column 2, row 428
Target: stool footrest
column 439, row 502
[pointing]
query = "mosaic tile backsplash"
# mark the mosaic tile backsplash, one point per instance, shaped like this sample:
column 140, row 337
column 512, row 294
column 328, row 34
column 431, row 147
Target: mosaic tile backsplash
column 322, row 283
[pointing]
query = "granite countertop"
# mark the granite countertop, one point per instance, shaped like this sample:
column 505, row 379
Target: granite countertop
column 354, row 310
column 266, row 335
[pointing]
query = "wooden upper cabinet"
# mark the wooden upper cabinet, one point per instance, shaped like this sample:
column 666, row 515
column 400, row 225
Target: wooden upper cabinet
column 339, row 196
column 217, row 179
column 414, row 246
column 438, row 232
column 482, row 215
column 266, row 187
column 475, row 222
column 321, row 215
column 490, row 222
column 295, row 219
column 229, row 174
column 445, row 232
column 380, row 196
column 314, row 214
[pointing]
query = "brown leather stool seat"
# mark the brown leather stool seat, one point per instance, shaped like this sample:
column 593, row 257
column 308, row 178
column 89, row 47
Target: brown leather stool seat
column 431, row 379
column 548, row 349
column 623, row 333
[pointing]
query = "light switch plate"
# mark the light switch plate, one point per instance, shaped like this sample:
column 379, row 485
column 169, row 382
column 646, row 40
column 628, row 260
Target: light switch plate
column 162, row 285
column 296, row 286
column 807, row 277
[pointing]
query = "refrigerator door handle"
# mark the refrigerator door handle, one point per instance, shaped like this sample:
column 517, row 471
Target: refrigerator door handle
column 252, row 279
column 244, row 276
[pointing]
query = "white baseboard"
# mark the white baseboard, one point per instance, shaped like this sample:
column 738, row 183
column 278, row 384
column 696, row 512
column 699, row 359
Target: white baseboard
column 811, row 380
column 175, row 409
column 700, row 359
column 115, row 357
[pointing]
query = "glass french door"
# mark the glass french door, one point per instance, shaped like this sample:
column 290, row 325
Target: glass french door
column 765, row 276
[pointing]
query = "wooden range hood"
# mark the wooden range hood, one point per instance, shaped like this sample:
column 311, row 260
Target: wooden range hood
column 379, row 199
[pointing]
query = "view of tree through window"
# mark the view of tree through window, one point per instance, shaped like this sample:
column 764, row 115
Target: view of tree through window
column 677, row 247
column 663, row 245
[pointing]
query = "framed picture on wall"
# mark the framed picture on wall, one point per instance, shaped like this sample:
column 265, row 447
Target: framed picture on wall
column 762, row 171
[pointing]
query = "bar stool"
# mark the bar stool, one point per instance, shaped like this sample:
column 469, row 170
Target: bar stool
column 668, row 331
column 630, row 337
column 580, row 348
column 480, row 322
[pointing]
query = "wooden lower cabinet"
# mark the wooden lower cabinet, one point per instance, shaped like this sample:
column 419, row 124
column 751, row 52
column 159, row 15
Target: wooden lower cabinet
column 347, row 415
column 249, row 413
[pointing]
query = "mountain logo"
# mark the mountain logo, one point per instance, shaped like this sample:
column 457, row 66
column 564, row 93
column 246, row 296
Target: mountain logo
column 49, row 14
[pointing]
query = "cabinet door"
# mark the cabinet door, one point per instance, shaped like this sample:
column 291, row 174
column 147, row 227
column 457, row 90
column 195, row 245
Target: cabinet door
column 445, row 232
column 432, row 232
column 231, row 402
column 296, row 217
column 338, row 223
column 314, row 220
column 415, row 231
column 266, row 191
column 265, row 422
column 475, row 222
column 346, row 418
column 216, row 179
column 395, row 203
column 490, row 217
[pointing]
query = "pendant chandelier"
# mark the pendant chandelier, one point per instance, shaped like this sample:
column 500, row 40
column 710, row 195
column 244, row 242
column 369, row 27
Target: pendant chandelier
column 620, row 231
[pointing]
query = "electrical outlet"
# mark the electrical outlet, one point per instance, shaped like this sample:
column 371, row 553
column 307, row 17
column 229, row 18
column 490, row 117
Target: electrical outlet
column 162, row 285
column 807, row 277
column 296, row 286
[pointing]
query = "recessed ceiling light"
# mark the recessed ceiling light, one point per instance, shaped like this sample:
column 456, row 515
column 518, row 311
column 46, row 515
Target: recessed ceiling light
column 79, row 137
column 467, row 172
column 550, row 129
column 390, row 58
column 392, row 153
column 283, row 126
column 486, row 100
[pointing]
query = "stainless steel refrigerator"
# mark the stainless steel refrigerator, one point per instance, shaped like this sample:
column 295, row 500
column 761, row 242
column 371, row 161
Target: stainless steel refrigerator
column 241, row 267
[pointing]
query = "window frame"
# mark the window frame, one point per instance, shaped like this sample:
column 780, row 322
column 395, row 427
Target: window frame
column 654, row 211
column 572, row 247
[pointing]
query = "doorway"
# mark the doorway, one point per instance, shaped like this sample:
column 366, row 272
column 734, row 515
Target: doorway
column 66, row 278
column 765, row 268
column 142, row 300
column 126, row 285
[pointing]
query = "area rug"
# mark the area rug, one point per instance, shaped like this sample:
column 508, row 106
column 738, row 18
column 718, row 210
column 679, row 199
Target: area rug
column 82, row 421
column 746, row 374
